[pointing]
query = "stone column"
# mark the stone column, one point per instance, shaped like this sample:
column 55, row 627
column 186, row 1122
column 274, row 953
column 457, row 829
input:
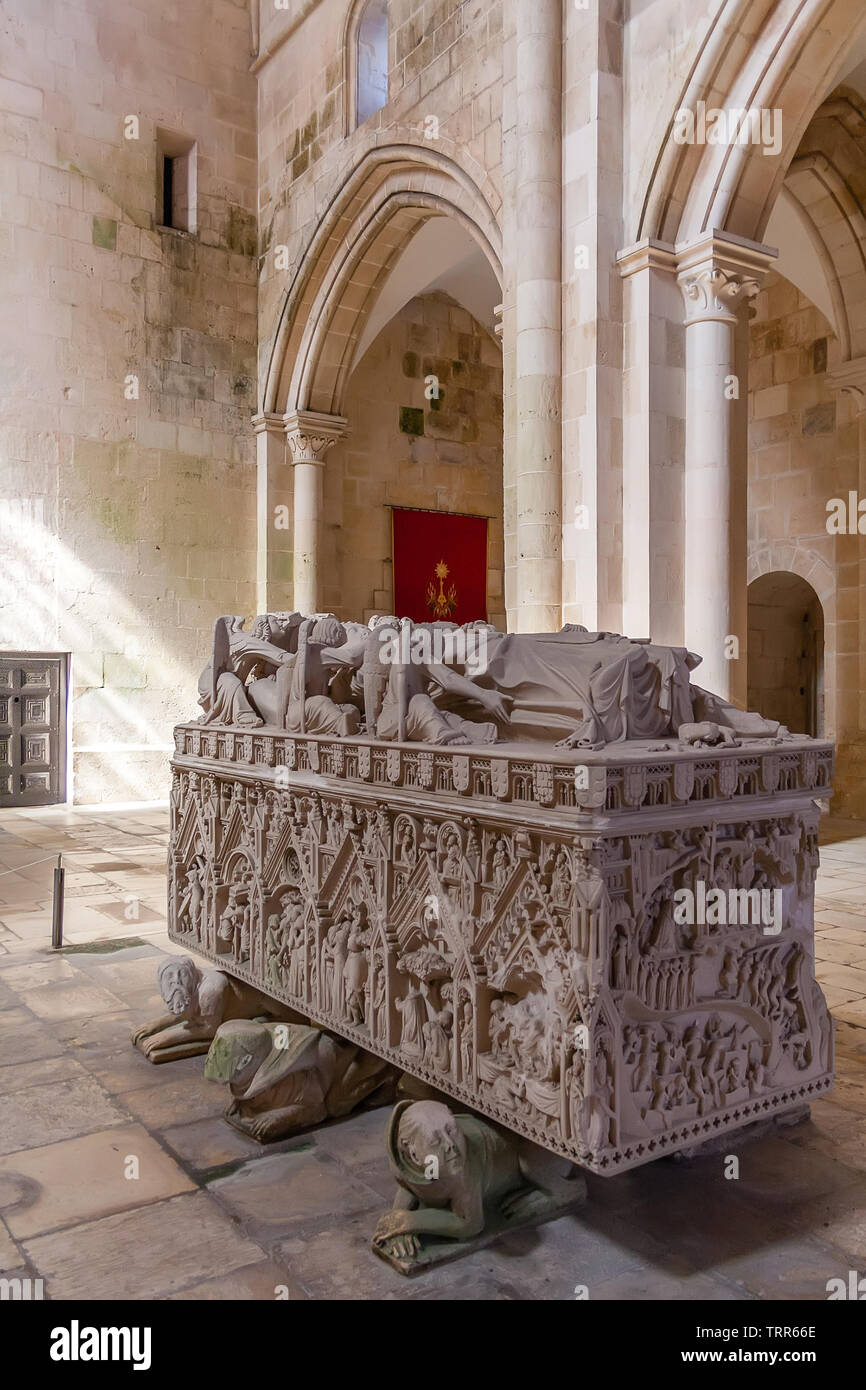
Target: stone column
column 718, row 275
column 537, row 193
column 849, row 379
column 653, row 388
column 310, row 435
column 273, row 515
column 592, row 202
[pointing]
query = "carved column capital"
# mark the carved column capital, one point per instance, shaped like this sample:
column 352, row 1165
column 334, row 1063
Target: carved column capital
column 850, row 378
column 311, row 434
column 718, row 275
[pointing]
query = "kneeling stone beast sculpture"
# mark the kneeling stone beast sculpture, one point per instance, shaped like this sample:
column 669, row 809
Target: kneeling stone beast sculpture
column 285, row 1077
column 199, row 1001
column 545, row 874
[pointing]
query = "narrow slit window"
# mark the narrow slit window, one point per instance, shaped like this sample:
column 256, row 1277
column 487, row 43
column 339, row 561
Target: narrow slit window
column 167, row 191
column 372, row 60
column 178, row 190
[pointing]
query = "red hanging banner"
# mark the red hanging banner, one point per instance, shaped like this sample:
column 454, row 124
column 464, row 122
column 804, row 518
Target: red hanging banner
column 440, row 566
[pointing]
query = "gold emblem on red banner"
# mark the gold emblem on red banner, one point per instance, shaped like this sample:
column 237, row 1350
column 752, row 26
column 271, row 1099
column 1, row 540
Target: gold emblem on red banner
column 441, row 601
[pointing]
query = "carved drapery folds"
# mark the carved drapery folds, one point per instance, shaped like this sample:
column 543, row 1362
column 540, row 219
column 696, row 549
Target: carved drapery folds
column 530, row 959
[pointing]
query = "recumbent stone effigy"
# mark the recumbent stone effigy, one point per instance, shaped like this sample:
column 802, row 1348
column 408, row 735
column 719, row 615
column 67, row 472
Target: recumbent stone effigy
column 545, row 874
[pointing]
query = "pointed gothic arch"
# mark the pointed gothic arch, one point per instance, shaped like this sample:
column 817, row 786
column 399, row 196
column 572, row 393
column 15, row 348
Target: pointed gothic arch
column 387, row 196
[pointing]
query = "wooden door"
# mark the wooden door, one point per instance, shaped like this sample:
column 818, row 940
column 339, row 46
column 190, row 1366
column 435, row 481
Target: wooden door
column 32, row 729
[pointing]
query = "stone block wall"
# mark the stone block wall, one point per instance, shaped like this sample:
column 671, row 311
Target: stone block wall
column 128, row 523
column 445, row 61
column 406, row 450
column 803, row 451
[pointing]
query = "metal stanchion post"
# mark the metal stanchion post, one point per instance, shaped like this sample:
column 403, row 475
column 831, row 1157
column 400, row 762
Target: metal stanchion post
column 57, row 914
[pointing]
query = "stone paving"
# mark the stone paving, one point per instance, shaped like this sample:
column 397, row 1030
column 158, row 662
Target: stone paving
column 211, row 1215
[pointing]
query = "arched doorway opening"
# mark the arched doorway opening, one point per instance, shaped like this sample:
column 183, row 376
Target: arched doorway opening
column 786, row 652
column 387, row 371
column 423, row 399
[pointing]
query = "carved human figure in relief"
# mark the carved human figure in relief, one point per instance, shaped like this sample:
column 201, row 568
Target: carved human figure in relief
column 292, row 923
column 466, row 1042
column 561, row 879
column 415, row 695
column 275, row 950
column 190, row 907
column 455, row 1174
column 501, row 864
column 335, row 949
column 437, row 1039
column 198, row 1002
column 374, row 1002
column 236, row 917
column 355, row 967
column 266, row 654
column 414, row 1014
column 452, row 864
column 319, row 700
column 406, row 843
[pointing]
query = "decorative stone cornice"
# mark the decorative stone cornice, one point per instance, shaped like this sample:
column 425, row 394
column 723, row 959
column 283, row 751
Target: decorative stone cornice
column 311, row 434
column 850, row 378
column 718, row 274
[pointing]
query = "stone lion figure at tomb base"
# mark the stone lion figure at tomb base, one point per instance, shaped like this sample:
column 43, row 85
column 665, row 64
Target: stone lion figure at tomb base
column 458, row 1175
column 284, row 1077
column 199, row 1001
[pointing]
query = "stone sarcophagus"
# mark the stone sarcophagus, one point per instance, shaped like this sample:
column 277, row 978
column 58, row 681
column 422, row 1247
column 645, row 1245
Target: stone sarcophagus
column 605, row 946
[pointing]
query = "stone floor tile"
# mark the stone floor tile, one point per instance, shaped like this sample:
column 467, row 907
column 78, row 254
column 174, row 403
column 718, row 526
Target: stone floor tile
column 10, row 1256
column 20, row 1075
column 842, row 977
column 189, row 1096
column 358, row 1143
column 118, row 913
column 35, row 973
column 272, row 1195
column 56, row 1110
column 852, row 1012
column 123, row 977
column 82, row 1179
column 462, row 1287
column 648, row 1285
column 837, row 1219
column 23, row 1039
column 777, row 1172
column 834, row 994
column 336, row 1262
column 841, row 952
column 701, row 1228
column 264, row 1282
column 796, row 1267
column 8, row 998
column 150, row 1252
column 211, row 1143
column 120, row 1069
column 849, row 1091
column 95, row 1034
column 70, row 999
